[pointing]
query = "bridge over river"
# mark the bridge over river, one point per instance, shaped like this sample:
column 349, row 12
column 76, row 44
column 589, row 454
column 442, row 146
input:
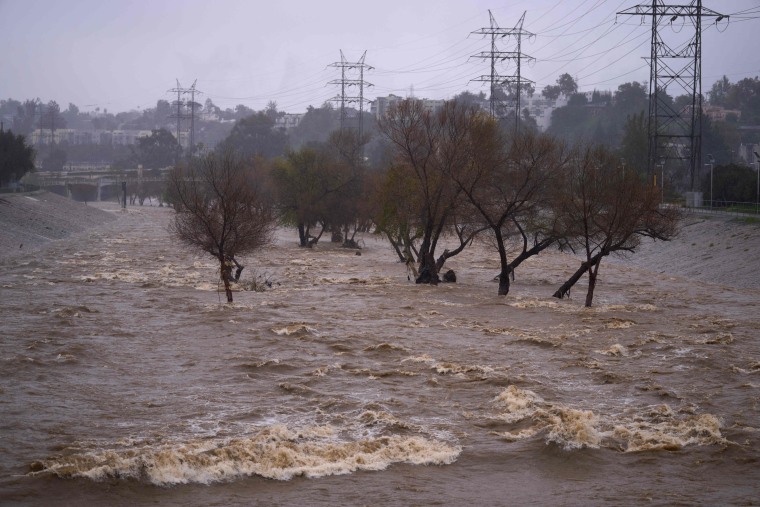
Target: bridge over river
column 97, row 187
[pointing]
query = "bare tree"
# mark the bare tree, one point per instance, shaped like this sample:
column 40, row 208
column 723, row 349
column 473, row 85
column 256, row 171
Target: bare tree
column 222, row 209
column 608, row 209
column 509, row 184
column 430, row 145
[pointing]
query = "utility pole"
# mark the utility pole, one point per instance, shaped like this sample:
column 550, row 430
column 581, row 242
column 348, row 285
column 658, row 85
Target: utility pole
column 675, row 135
column 348, row 78
column 515, row 81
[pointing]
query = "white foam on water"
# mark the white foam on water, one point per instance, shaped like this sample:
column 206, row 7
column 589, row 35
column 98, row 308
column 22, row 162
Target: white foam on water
column 629, row 307
column 616, row 350
column 525, row 302
column 292, row 329
column 654, row 428
column 277, row 452
column 619, row 324
column 670, row 433
column 385, row 346
column 372, row 280
column 446, row 368
column 753, row 367
column 717, row 339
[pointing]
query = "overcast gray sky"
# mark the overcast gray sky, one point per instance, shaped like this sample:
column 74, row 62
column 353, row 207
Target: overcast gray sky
column 127, row 54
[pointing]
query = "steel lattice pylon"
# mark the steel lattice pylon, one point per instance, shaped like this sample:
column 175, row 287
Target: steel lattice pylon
column 676, row 63
column 347, row 82
column 494, row 55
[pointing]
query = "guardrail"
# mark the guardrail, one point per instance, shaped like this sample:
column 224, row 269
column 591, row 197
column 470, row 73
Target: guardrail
column 733, row 208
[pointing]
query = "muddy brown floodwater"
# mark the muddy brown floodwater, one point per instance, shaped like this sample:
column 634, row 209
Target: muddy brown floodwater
column 124, row 381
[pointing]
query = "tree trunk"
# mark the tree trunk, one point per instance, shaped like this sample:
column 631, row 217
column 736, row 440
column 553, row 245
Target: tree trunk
column 314, row 240
column 463, row 242
column 428, row 272
column 504, row 280
column 238, row 269
column 395, row 245
column 564, row 290
column 526, row 254
column 302, row 236
column 505, row 268
column 225, row 270
column 592, row 283
column 508, row 270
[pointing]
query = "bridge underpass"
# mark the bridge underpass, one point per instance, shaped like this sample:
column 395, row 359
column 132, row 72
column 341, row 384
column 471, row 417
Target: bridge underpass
column 102, row 188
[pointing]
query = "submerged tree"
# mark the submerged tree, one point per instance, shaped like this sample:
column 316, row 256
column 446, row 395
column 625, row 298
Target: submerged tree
column 393, row 203
column 608, row 209
column 311, row 185
column 222, row 209
column 510, row 186
column 430, row 146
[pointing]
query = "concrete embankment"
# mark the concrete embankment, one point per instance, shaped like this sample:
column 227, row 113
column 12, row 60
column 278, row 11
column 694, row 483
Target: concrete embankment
column 712, row 248
column 30, row 220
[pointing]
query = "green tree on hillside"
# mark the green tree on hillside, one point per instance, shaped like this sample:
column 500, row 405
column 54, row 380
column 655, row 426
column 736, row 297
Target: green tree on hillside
column 566, row 86
column 16, row 157
column 719, row 91
column 157, row 150
column 52, row 119
column 634, row 148
column 602, row 121
column 745, row 96
column 316, row 125
column 24, row 120
column 253, row 136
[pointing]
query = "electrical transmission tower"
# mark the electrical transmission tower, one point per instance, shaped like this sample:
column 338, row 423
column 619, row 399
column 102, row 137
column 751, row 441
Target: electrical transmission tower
column 676, row 63
column 192, row 91
column 181, row 113
column 514, row 82
column 178, row 115
column 348, row 79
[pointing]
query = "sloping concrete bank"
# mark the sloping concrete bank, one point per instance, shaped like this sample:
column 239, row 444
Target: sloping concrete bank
column 30, row 220
column 711, row 248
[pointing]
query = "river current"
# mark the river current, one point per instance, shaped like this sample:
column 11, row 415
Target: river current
column 125, row 379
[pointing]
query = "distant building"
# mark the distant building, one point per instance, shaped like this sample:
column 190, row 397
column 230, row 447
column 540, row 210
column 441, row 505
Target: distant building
column 91, row 136
column 717, row 113
column 288, row 121
column 381, row 105
column 541, row 108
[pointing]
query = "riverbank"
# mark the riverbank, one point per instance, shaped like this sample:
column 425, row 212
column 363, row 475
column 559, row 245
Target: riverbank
column 710, row 248
column 30, row 220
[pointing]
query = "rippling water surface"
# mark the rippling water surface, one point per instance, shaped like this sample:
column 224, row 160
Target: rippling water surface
column 123, row 380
